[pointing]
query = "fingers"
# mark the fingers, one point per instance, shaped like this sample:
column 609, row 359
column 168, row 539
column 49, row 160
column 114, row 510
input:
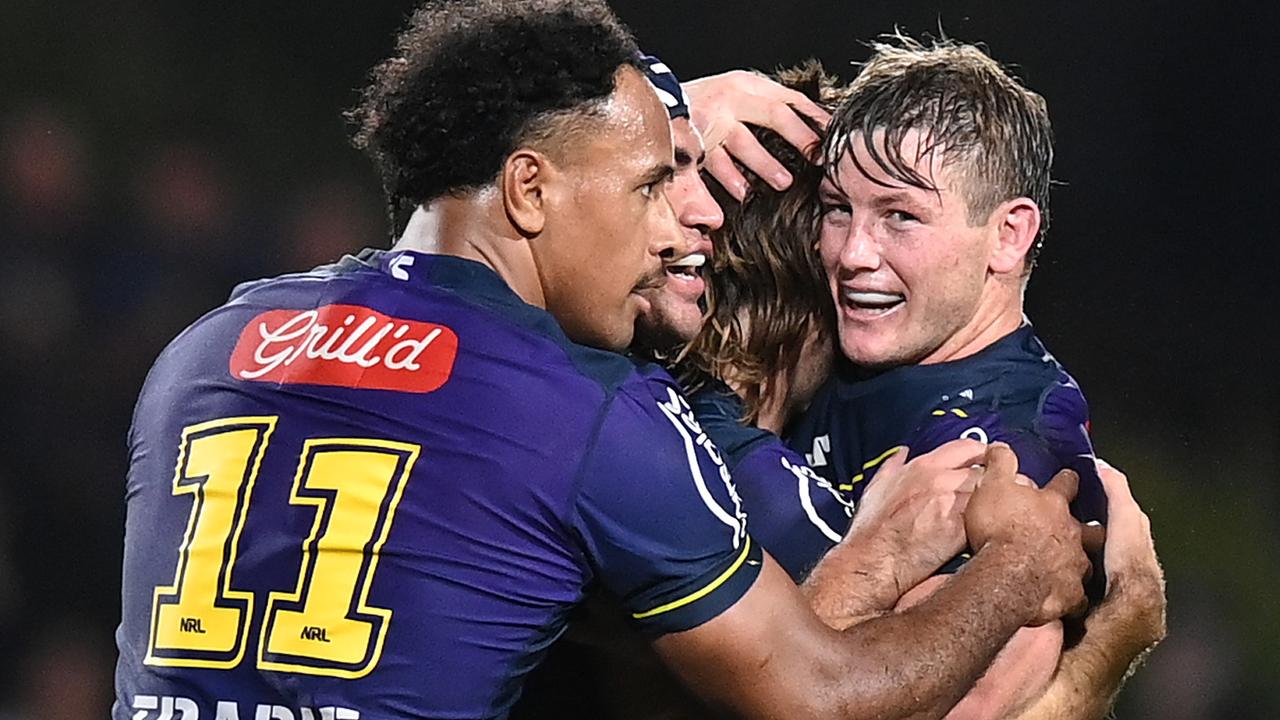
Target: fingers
column 803, row 105
column 789, row 125
column 721, row 167
column 1066, row 483
column 1081, row 604
column 1094, row 536
column 957, row 454
column 895, row 461
column 1001, row 462
column 746, row 149
column 1115, row 483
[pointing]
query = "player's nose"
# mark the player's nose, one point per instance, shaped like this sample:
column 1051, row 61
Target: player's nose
column 700, row 210
column 861, row 251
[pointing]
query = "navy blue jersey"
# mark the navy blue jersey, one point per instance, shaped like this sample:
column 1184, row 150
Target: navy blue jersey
column 796, row 515
column 375, row 490
column 1013, row 391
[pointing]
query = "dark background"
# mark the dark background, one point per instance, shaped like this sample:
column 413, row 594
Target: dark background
column 152, row 154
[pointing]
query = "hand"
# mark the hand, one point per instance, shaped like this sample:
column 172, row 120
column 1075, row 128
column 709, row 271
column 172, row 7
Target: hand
column 1008, row 511
column 912, row 513
column 1135, row 582
column 721, row 105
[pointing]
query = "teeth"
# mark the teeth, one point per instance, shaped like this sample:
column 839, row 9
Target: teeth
column 873, row 299
column 693, row 260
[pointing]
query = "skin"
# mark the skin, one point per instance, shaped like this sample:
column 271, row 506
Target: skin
column 1128, row 623
column 674, row 316
column 958, row 287
column 914, row 664
column 769, row 655
column 1131, row 618
column 953, row 288
column 722, row 106
column 578, row 228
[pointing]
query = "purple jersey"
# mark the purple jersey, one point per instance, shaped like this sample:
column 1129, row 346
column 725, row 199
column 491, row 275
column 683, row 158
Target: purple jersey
column 1013, row 391
column 796, row 515
column 375, row 490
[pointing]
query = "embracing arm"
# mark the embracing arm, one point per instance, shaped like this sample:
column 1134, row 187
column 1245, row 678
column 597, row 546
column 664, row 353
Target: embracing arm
column 909, row 522
column 770, row 656
column 1123, row 628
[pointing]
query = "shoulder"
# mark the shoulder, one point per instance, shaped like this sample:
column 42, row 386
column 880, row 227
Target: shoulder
column 720, row 413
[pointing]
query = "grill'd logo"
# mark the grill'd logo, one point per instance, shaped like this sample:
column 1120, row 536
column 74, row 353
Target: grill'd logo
column 345, row 346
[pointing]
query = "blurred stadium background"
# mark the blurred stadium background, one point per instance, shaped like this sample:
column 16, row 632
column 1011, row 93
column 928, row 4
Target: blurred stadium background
column 153, row 154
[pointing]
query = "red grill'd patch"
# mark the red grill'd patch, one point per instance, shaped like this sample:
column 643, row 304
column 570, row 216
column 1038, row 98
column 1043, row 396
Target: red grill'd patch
column 345, row 346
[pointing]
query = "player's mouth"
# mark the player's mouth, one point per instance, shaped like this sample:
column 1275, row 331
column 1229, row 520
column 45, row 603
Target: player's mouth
column 647, row 284
column 684, row 276
column 862, row 304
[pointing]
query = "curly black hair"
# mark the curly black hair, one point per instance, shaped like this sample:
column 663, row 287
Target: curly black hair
column 473, row 80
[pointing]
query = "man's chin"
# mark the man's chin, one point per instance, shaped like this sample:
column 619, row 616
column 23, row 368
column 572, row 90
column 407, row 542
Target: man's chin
column 661, row 330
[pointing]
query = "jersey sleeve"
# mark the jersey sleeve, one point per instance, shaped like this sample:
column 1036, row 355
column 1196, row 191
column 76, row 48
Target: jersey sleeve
column 1048, row 436
column 795, row 514
column 659, row 515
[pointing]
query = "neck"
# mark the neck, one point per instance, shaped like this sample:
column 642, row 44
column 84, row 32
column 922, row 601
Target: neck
column 475, row 227
column 999, row 313
column 774, row 410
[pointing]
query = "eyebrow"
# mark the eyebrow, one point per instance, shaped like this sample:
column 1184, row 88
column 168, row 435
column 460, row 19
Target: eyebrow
column 830, row 191
column 894, row 198
column 657, row 174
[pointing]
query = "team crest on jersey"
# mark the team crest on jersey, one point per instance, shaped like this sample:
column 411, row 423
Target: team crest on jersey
column 345, row 346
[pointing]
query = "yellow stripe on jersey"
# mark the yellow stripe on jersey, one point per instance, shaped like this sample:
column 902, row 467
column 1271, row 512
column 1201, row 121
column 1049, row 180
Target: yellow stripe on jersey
column 870, row 464
column 746, row 547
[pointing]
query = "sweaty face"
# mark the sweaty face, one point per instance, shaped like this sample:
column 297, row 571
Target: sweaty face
column 905, row 268
column 608, row 220
column 674, row 316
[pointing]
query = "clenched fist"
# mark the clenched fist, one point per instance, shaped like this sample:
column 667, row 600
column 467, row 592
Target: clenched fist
column 1034, row 528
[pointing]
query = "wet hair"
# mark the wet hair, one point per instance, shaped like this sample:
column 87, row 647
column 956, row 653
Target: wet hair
column 966, row 107
column 471, row 81
column 766, row 291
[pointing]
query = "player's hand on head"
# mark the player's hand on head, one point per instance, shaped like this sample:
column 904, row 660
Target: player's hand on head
column 920, row 502
column 1135, row 581
column 721, row 107
column 1035, row 525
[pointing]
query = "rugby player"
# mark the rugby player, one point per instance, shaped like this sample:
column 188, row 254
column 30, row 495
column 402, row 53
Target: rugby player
column 600, row 670
column 935, row 207
column 767, row 335
column 375, row 490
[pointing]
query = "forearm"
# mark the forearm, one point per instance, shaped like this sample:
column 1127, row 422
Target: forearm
column 1091, row 674
column 919, row 663
column 865, row 576
column 853, row 583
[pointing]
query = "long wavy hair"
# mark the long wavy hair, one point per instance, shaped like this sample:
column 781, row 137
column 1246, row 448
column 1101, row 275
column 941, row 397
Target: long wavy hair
column 766, row 292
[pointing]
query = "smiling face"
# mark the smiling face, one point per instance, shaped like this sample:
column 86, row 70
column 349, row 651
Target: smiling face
column 674, row 315
column 906, row 269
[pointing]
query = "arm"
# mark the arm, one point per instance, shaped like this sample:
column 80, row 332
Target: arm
column 1123, row 628
column 722, row 105
column 908, row 523
column 769, row 656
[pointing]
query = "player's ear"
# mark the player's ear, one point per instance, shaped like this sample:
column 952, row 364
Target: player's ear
column 1017, row 226
column 523, row 184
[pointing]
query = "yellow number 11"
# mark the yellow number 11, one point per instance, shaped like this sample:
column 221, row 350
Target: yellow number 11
column 325, row 626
